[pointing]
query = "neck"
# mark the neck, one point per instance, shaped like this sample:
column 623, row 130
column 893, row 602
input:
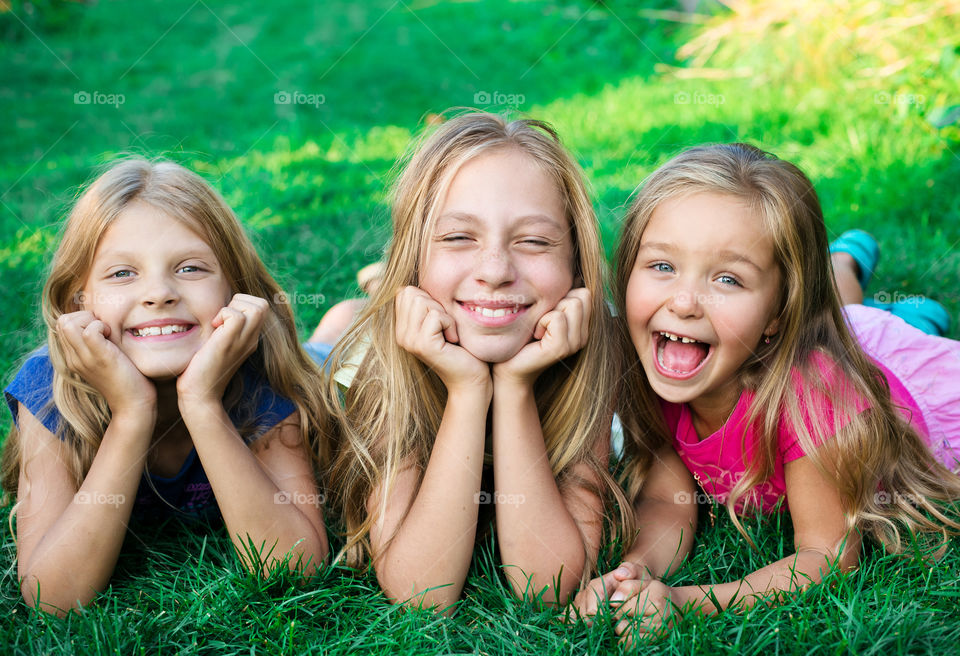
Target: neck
column 168, row 409
column 711, row 411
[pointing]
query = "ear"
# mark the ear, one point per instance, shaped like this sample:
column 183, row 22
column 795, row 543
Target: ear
column 772, row 328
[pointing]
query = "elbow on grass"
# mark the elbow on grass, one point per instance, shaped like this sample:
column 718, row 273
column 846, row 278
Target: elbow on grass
column 301, row 558
column 59, row 603
column 440, row 598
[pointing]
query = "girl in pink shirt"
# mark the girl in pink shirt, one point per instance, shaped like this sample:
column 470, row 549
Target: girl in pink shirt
column 747, row 380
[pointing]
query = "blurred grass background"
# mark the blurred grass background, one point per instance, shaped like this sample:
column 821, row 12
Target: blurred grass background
column 862, row 95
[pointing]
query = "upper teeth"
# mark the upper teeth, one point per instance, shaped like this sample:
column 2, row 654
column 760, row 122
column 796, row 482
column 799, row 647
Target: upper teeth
column 499, row 312
column 159, row 330
column 675, row 338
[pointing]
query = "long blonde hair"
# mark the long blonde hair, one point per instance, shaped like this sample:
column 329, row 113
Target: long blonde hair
column 887, row 477
column 183, row 196
column 389, row 416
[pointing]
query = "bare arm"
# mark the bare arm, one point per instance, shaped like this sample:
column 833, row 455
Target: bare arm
column 666, row 513
column 423, row 537
column 821, row 541
column 68, row 540
column 434, row 527
column 267, row 493
column 545, row 536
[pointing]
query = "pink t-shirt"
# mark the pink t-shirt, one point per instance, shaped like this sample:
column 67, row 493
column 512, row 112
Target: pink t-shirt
column 720, row 460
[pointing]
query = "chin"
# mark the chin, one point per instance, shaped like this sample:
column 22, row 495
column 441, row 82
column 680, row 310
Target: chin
column 161, row 371
column 671, row 393
column 491, row 351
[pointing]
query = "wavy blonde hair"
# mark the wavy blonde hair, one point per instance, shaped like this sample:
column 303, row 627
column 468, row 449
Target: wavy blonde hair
column 390, row 415
column 875, row 451
column 183, row 196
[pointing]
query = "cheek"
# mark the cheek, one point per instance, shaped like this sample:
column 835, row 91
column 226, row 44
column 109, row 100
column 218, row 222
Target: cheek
column 437, row 274
column 554, row 277
column 636, row 303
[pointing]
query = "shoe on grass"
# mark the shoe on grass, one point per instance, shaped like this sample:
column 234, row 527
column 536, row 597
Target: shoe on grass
column 919, row 311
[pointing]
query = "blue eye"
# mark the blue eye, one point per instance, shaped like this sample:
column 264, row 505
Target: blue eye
column 188, row 269
column 123, row 273
column 662, row 267
column 729, row 280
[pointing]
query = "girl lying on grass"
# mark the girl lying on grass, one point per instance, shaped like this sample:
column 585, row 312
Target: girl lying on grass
column 752, row 385
column 472, row 387
column 171, row 384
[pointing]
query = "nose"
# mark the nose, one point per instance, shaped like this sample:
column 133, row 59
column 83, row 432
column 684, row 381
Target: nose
column 494, row 267
column 160, row 291
column 686, row 302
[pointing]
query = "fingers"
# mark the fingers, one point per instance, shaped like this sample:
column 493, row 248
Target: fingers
column 241, row 322
column 589, row 600
column 83, row 338
column 420, row 320
column 649, row 613
column 627, row 589
column 565, row 329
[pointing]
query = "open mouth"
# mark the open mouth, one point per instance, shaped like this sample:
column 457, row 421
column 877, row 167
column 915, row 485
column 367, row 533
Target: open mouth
column 156, row 331
column 678, row 356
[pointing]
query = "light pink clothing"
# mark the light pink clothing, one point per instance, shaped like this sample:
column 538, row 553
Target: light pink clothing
column 926, row 366
column 720, row 460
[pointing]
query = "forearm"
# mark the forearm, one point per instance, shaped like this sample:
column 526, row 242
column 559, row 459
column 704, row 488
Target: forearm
column 788, row 575
column 76, row 556
column 540, row 543
column 427, row 560
column 258, row 514
column 665, row 533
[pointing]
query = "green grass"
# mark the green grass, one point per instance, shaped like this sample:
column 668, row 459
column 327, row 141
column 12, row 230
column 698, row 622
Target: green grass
column 199, row 79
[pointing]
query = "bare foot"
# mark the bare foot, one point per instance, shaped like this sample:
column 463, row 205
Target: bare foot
column 337, row 319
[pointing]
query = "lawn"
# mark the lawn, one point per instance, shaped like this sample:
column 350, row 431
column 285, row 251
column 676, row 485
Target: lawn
column 297, row 112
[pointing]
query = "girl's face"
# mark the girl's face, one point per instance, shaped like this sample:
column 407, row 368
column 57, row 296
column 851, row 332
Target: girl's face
column 501, row 254
column 703, row 293
column 157, row 285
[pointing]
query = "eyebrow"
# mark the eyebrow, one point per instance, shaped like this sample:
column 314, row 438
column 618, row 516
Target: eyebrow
column 186, row 254
column 527, row 219
column 723, row 255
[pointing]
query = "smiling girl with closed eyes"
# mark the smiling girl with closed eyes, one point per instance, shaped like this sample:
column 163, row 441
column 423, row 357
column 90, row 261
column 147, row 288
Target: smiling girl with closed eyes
column 471, row 390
